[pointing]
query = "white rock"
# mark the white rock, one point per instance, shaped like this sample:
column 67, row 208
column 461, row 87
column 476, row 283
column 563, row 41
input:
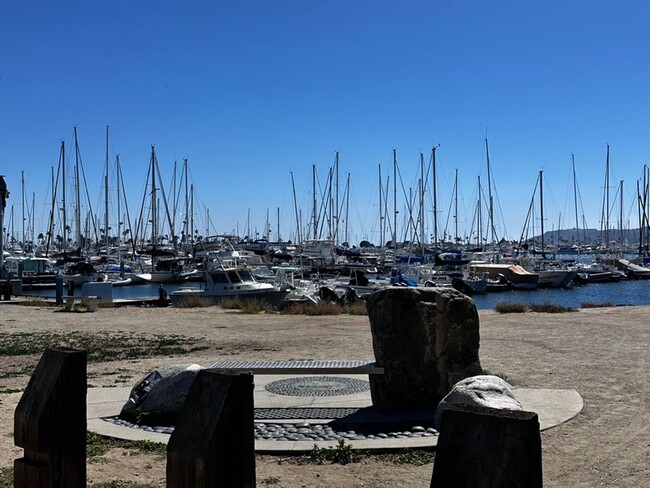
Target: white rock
column 482, row 390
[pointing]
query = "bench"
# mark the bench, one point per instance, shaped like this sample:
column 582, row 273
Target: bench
column 90, row 303
column 301, row 367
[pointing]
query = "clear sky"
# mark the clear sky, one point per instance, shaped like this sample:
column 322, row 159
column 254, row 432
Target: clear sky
column 250, row 91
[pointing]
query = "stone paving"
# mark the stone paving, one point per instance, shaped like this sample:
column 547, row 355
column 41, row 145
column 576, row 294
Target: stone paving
column 348, row 417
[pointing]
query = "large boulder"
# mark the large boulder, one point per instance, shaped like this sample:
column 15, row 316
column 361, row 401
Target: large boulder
column 483, row 390
column 427, row 339
column 159, row 396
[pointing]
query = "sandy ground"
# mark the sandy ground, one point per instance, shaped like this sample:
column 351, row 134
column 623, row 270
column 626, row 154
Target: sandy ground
column 601, row 353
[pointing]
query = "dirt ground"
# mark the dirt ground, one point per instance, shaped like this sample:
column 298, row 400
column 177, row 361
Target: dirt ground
column 602, row 353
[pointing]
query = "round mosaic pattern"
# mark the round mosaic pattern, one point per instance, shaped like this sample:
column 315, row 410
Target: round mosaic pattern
column 318, row 386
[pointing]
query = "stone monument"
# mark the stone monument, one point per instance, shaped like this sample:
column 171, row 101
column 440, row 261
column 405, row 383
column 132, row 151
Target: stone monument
column 427, row 339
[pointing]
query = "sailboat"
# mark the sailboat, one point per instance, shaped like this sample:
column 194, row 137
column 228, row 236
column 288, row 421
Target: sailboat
column 166, row 266
column 550, row 274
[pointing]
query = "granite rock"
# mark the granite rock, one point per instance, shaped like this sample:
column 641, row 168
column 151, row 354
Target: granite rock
column 159, row 396
column 427, row 339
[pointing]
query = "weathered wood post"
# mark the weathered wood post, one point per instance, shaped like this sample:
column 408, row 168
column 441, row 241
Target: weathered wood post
column 213, row 441
column 480, row 446
column 50, row 423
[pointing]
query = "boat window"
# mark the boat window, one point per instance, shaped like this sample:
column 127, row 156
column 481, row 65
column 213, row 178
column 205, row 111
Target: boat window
column 245, row 275
column 219, row 277
column 233, row 276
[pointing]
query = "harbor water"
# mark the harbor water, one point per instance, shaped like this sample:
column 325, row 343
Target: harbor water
column 621, row 293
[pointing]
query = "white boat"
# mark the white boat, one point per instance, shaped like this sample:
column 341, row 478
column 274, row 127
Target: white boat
column 515, row 274
column 551, row 274
column 166, row 270
column 237, row 283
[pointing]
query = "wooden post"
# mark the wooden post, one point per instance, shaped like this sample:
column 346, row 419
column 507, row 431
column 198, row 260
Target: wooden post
column 481, row 446
column 50, row 423
column 213, row 442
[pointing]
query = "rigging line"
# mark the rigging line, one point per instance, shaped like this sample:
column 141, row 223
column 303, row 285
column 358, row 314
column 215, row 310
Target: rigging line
column 140, row 227
column 90, row 209
column 531, row 207
column 126, row 205
column 162, row 188
column 409, row 204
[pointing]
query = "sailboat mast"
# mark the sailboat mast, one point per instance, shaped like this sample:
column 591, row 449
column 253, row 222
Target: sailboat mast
column 191, row 216
column 621, row 217
column 186, row 223
column 491, row 201
column 645, row 226
column 541, row 212
column 435, row 198
column 22, row 184
column 154, row 201
column 575, row 192
column 295, row 207
column 640, row 212
column 106, row 196
column 395, row 211
column 456, row 207
column 65, row 223
column 77, row 188
column 337, row 217
column 119, row 204
column 479, row 219
column 381, row 211
column 422, row 239
column 347, row 208
column 313, row 190
column 607, row 201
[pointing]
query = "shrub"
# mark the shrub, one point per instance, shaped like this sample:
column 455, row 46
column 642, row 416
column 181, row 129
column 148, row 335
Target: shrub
column 253, row 306
column 510, row 307
column 356, row 308
column 322, row 308
column 415, row 457
column 194, row 302
column 341, row 454
column 6, row 477
column 244, row 306
column 596, row 305
column 34, row 302
column 550, row 308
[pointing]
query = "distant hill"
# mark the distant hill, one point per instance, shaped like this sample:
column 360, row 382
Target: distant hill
column 588, row 236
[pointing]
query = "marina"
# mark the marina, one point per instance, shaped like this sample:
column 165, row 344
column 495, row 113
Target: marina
column 623, row 293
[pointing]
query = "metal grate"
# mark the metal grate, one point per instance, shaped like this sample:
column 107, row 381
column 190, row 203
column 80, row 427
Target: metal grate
column 337, row 366
column 303, row 413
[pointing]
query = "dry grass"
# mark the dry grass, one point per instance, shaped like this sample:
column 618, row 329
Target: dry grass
column 596, row 305
column 323, row 308
column 357, row 308
column 244, row 306
column 194, row 302
column 510, row 307
column 547, row 307
column 34, row 302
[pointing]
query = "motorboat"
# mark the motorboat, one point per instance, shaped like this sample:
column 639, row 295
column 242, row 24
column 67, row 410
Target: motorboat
column 225, row 282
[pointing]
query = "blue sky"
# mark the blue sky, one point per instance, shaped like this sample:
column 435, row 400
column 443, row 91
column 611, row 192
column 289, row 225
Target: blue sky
column 250, row 91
